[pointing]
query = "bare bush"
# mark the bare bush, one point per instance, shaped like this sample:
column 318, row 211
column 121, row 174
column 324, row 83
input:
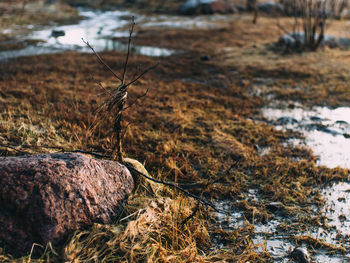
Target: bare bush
column 116, row 102
column 310, row 17
column 333, row 8
column 251, row 5
column 337, row 7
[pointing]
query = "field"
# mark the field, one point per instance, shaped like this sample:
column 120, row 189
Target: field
column 200, row 126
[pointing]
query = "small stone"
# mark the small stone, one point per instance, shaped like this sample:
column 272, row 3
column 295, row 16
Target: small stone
column 205, row 58
column 275, row 206
column 342, row 199
column 346, row 135
column 300, row 255
column 342, row 218
column 57, row 33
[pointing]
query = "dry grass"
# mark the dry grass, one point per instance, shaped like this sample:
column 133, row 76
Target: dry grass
column 155, row 235
column 14, row 18
column 35, row 12
column 196, row 122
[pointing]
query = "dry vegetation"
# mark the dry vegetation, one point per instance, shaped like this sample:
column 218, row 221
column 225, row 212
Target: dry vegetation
column 15, row 15
column 35, row 12
column 195, row 128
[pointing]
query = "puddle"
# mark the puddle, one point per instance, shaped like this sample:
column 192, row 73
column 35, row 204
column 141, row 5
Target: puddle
column 266, row 236
column 278, row 241
column 337, row 209
column 292, row 39
column 337, row 212
column 101, row 29
column 327, row 131
column 197, row 22
column 104, row 29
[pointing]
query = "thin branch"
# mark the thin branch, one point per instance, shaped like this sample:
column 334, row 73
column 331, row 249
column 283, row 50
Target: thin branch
column 131, row 215
column 12, row 147
column 176, row 187
column 101, row 86
column 129, row 44
column 191, row 215
column 125, row 130
column 282, row 28
column 61, row 149
column 30, row 146
column 101, row 60
column 143, row 73
column 134, row 102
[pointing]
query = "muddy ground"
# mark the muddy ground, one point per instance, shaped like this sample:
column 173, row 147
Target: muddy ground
column 200, row 125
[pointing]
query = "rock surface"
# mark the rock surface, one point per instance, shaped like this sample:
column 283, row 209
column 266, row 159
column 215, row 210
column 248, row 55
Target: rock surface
column 44, row 198
column 193, row 7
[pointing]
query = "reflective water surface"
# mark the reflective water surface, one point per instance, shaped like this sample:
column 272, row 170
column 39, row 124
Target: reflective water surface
column 102, row 30
column 327, row 131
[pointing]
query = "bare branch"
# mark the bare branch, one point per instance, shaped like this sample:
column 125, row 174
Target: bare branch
column 101, row 60
column 191, row 215
column 117, row 99
column 61, row 149
column 125, row 130
column 143, row 73
column 281, row 27
column 134, row 102
column 176, row 187
column 12, row 147
column 129, row 44
column 101, row 86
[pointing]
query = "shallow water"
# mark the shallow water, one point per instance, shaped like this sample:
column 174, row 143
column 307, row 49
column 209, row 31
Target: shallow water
column 291, row 39
column 279, row 243
column 326, row 131
column 101, row 29
column 188, row 22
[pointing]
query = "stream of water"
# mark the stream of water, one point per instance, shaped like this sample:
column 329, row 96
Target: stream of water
column 102, row 30
column 327, row 133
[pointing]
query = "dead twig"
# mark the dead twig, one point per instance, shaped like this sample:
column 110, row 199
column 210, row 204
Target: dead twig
column 143, row 73
column 135, row 101
column 194, row 212
column 61, row 149
column 129, row 44
column 12, row 147
column 101, row 60
column 206, row 203
column 114, row 105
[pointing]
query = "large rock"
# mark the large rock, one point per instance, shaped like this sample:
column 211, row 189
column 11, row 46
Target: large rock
column 195, row 7
column 44, row 198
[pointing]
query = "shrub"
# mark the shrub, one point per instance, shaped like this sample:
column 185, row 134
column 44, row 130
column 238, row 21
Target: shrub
column 308, row 30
